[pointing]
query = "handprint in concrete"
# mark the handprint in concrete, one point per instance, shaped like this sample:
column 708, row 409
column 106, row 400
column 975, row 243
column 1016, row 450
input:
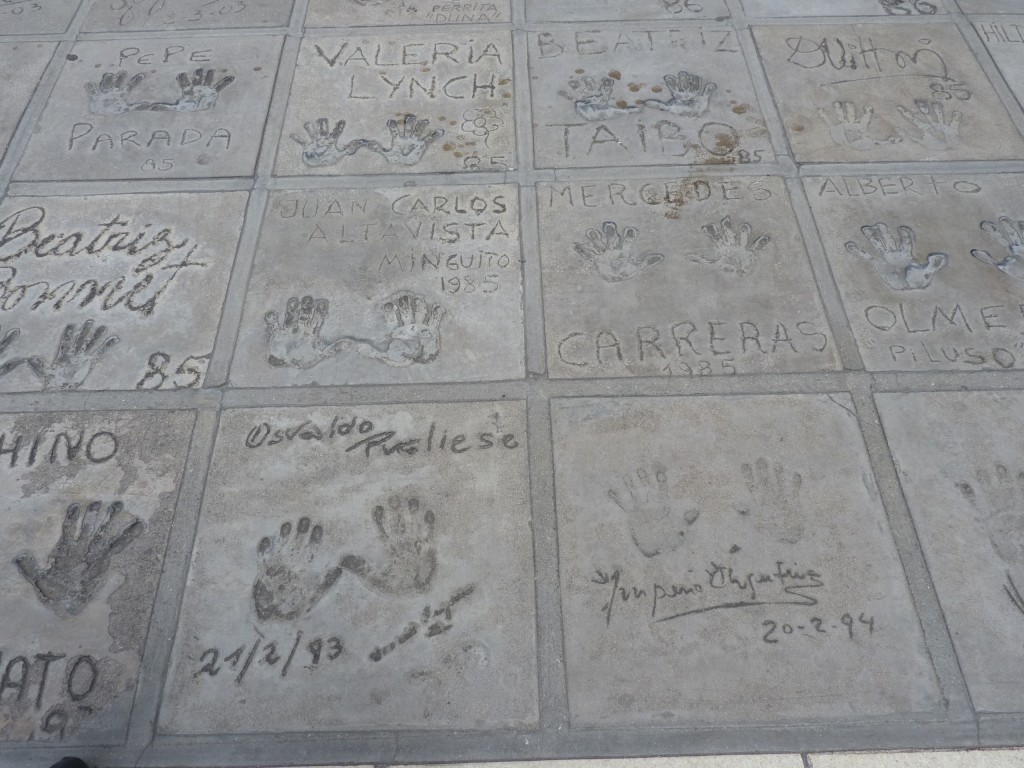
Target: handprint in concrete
column 75, row 358
column 112, row 95
column 294, row 571
column 894, row 261
column 410, row 140
column 78, row 565
column 413, row 336
column 1010, row 235
column 296, row 342
column 736, row 249
column 6, row 341
column 690, row 95
column 776, row 510
column 611, row 252
column 199, row 92
column 407, row 558
column 593, row 100
column 651, row 513
column 933, row 130
column 850, row 128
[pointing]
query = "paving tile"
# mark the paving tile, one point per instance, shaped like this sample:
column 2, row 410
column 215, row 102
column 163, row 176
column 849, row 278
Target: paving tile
column 610, row 10
column 714, row 761
column 665, row 96
column 385, row 286
column 812, row 8
column 86, row 501
column 685, row 277
column 125, row 15
column 155, row 109
column 892, row 91
column 369, row 13
column 715, row 568
column 926, row 291
column 1005, row 41
column 21, row 66
column 114, row 292
column 363, row 591
column 30, row 17
column 990, row 6
column 976, row 758
column 433, row 100
column 960, row 458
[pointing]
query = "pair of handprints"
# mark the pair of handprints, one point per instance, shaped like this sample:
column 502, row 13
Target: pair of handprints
column 893, row 258
column 410, row 139
column 850, row 126
column 689, row 96
column 112, row 95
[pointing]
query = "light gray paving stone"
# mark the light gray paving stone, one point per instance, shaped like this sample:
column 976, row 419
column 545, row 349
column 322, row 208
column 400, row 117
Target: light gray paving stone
column 715, row 761
column 395, row 285
column 370, row 13
column 715, row 568
column 682, row 277
column 434, row 100
column 113, row 292
column 168, row 15
column 86, row 501
column 155, row 109
column 990, row 6
column 627, row 97
column 987, row 758
column 21, row 66
column 30, row 17
column 812, row 8
column 383, row 579
column 885, row 91
column 960, row 458
column 610, row 10
column 1005, row 41
column 926, row 267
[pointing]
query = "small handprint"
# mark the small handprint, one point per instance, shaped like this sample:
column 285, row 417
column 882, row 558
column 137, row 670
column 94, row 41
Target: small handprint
column 294, row 572
column 414, row 336
column 410, row 139
column 736, row 249
column 998, row 496
column 112, row 95
column 646, row 500
column 75, row 358
column 610, row 252
column 936, row 133
column 776, row 494
column 296, row 342
column 593, row 101
column 198, row 92
column 78, row 564
column 849, row 129
column 5, row 344
column 894, row 262
column 408, row 558
column 1010, row 235
column 690, row 95
column 322, row 145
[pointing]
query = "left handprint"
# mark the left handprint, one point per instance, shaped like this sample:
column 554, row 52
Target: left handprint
column 75, row 357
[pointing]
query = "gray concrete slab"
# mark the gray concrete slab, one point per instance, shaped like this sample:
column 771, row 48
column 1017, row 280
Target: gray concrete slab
column 165, row 108
column 961, row 464
column 688, row 277
column 87, row 501
column 875, row 92
column 626, row 97
column 989, row 6
column 113, row 292
column 434, row 100
column 925, row 292
column 992, row 758
column 147, row 15
column 21, row 66
column 393, row 285
column 1005, row 41
column 609, row 10
column 812, row 8
column 716, row 569
column 363, row 589
column 32, row 17
column 372, row 13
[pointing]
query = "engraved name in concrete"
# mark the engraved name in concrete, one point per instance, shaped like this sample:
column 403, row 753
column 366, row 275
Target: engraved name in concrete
column 643, row 97
column 708, row 534
column 392, row 285
column 927, row 292
column 113, row 292
column 155, row 109
column 669, row 278
column 125, row 15
column 29, row 17
column 363, row 588
column 430, row 101
column 87, row 502
column 372, row 13
column 886, row 91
